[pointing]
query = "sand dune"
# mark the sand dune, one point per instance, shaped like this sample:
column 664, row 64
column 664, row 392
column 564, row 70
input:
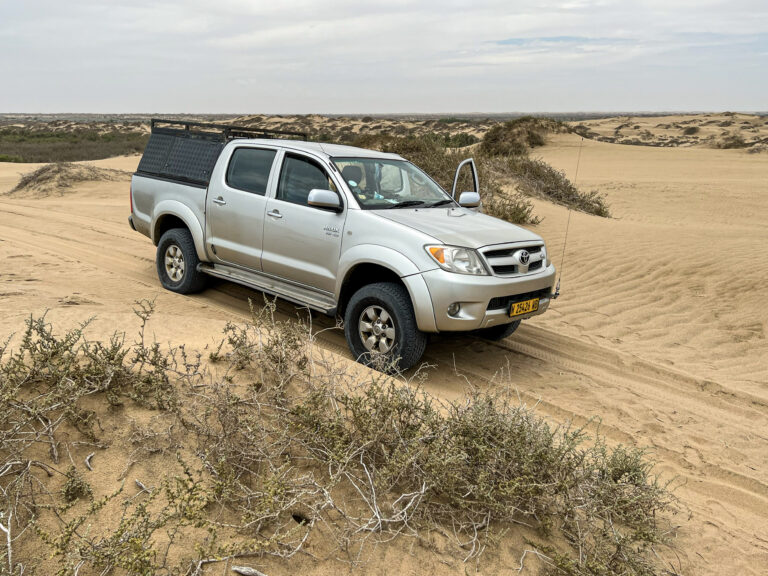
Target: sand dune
column 725, row 130
column 660, row 331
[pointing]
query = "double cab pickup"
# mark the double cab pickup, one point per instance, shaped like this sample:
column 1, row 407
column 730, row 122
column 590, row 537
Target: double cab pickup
column 353, row 233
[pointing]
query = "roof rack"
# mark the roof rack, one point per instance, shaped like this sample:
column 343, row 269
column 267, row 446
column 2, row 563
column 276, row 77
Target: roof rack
column 216, row 132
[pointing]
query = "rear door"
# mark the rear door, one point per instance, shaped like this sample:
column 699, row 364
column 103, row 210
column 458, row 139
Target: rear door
column 302, row 243
column 235, row 207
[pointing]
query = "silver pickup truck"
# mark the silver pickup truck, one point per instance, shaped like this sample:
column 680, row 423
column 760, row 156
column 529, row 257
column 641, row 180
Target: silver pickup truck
column 354, row 233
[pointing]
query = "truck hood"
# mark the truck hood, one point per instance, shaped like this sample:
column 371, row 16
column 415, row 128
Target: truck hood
column 459, row 226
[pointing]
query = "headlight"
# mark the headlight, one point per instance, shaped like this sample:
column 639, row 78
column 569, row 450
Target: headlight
column 455, row 259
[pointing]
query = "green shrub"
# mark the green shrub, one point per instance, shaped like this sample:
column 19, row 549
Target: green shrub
column 732, row 140
column 460, row 140
column 516, row 137
column 46, row 144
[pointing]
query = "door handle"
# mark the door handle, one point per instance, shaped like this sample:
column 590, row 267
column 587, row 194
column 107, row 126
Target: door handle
column 220, row 201
column 275, row 214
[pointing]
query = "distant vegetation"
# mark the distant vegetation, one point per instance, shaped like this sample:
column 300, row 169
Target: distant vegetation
column 502, row 158
column 731, row 140
column 45, row 144
column 516, row 137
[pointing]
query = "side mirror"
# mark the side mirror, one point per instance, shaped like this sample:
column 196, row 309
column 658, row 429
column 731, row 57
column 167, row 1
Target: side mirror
column 469, row 199
column 473, row 169
column 324, row 199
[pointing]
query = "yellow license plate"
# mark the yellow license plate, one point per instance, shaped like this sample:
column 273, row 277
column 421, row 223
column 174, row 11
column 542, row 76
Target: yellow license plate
column 524, row 307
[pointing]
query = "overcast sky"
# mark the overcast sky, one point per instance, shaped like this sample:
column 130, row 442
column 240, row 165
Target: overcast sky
column 344, row 56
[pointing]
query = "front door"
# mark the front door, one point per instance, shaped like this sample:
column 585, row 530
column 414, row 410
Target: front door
column 302, row 243
column 235, row 208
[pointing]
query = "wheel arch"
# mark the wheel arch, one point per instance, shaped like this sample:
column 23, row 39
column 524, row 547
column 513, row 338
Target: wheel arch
column 171, row 214
column 368, row 264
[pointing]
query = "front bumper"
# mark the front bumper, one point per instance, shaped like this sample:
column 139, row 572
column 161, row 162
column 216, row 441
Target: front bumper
column 475, row 294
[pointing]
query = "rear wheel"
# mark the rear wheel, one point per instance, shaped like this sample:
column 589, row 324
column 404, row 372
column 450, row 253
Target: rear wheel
column 176, row 260
column 381, row 329
column 500, row 332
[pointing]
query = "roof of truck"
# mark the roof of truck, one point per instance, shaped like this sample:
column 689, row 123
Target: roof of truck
column 328, row 150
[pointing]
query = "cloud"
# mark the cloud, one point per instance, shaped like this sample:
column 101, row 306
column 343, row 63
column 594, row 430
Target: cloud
column 348, row 56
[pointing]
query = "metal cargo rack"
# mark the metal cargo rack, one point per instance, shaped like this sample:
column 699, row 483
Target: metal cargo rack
column 222, row 132
column 187, row 151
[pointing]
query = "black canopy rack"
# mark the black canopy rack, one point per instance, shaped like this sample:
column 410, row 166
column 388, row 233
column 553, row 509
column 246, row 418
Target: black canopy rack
column 209, row 131
column 187, row 151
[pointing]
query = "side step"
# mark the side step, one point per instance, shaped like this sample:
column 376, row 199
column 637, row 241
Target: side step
column 320, row 301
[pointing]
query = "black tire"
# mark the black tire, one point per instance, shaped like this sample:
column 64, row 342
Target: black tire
column 496, row 333
column 179, row 241
column 408, row 343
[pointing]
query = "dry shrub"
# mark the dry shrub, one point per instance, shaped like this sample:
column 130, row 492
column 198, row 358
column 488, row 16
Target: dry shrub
column 59, row 177
column 288, row 440
column 730, row 140
column 511, row 142
column 537, row 178
column 516, row 137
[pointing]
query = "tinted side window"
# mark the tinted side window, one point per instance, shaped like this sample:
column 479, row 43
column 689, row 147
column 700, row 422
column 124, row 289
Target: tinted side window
column 299, row 176
column 249, row 169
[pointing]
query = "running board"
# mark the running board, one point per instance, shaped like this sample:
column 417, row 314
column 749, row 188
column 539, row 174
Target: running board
column 285, row 290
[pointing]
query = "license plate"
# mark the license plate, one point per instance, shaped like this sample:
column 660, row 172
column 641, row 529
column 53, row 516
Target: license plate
column 524, row 307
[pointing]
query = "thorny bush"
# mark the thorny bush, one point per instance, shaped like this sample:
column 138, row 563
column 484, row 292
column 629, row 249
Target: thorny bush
column 287, row 440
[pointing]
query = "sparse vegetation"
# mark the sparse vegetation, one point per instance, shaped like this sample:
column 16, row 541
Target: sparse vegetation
column 511, row 142
column 57, row 178
column 731, row 140
column 516, row 137
column 287, row 441
column 537, row 178
column 46, row 143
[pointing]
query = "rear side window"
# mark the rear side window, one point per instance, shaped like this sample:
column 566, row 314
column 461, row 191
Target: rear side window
column 300, row 175
column 249, row 169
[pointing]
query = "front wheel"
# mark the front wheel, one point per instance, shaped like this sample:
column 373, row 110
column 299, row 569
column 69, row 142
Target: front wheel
column 381, row 329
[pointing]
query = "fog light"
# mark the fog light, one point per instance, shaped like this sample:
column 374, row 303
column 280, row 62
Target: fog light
column 454, row 309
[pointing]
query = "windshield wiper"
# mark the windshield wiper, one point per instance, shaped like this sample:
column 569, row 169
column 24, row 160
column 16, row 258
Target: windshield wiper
column 408, row 204
column 440, row 203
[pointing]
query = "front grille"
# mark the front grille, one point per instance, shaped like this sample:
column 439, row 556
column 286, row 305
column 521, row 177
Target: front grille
column 503, row 302
column 503, row 252
column 503, row 261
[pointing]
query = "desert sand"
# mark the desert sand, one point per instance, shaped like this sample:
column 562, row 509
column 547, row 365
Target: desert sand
column 660, row 331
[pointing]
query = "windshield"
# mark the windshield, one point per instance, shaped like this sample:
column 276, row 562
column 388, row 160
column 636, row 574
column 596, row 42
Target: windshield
column 379, row 184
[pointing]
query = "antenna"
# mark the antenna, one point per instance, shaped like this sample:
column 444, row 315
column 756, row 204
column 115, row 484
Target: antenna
column 568, row 225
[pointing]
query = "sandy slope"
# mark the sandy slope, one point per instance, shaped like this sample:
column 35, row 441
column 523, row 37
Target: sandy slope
column 660, row 331
column 711, row 130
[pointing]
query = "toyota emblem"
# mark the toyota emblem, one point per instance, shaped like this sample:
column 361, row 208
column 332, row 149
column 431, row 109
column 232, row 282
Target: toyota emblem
column 523, row 256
